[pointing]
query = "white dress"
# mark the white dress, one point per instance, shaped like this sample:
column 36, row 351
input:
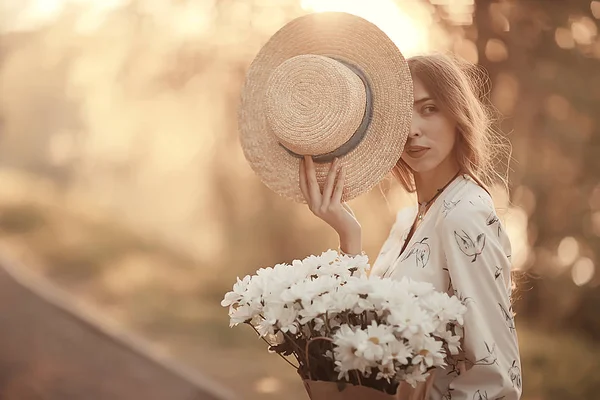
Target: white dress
column 461, row 247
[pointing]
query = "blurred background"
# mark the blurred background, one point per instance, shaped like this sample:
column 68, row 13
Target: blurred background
column 123, row 183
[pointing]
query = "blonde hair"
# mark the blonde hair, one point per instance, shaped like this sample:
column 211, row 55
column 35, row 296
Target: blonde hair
column 460, row 89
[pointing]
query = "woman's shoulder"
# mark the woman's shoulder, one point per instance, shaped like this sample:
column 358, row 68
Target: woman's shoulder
column 471, row 202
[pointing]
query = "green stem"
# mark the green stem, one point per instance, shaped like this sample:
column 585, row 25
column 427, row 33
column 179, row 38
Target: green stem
column 265, row 340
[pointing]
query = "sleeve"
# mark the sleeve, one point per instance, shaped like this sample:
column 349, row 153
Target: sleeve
column 382, row 258
column 478, row 260
column 393, row 244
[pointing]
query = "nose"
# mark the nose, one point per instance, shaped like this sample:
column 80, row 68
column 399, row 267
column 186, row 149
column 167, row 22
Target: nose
column 415, row 129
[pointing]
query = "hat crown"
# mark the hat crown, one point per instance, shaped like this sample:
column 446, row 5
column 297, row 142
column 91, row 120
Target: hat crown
column 314, row 104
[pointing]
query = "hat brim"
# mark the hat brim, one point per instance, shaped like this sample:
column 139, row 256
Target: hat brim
column 355, row 41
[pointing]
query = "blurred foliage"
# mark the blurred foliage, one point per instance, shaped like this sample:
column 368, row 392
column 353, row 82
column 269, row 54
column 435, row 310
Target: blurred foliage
column 135, row 118
column 557, row 365
column 161, row 295
column 21, row 218
column 543, row 61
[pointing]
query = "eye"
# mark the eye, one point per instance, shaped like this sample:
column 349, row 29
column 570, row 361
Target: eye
column 428, row 109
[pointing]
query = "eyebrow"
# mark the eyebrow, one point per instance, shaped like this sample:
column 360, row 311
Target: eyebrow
column 422, row 100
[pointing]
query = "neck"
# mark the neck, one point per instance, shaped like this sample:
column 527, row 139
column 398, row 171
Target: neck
column 428, row 183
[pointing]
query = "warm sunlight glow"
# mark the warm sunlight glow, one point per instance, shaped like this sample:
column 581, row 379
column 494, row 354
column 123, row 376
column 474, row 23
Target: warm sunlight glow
column 516, row 228
column 21, row 15
column 29, row 15
column 408, row 31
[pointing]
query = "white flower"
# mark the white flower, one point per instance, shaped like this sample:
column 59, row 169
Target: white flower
column 240, row 314
column 407, row 323
column 360, row 290
column 346, row 342
column 414, row 375
column 335, row 269
column 265, row 327
column 300, row 271
column 280, row 316
column 377, row 336
column 452, row 341
column 328, row 257
column 286, row 320
column 309, row 265
column 316, row 308
column 344, row 301
column 335, row 320
column 414, row 288
column 357, row 266
column 319, row 324
column 459, row 330
column 380, row 333
column 398, row 351
column 255, row 289
column 455, row 310
column 309, row 289
column 239, row 289
column 446, row 308
column 417, row 288
column 386, row 293
column 410, row 320
column 430, row 353
column 386, row 371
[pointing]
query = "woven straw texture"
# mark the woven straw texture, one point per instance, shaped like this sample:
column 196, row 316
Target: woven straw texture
column 303, row 101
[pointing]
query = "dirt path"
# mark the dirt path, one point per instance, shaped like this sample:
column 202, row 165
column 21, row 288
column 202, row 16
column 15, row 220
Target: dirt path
column 48, row 353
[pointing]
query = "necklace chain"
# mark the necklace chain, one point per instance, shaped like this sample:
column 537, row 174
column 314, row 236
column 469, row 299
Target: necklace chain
column 422, row 210
column 423, row 207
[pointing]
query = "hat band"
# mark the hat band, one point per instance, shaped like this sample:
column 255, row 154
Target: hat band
column 360, row 132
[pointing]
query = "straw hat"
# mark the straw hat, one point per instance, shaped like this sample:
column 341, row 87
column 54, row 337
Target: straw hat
column 326, row 84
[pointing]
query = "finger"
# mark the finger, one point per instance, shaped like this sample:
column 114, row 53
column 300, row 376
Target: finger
column 330, row 183
column 311, row 177
column 303, row 186
column 339, row 186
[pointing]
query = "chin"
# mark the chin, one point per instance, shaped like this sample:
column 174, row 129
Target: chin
column 421, row 167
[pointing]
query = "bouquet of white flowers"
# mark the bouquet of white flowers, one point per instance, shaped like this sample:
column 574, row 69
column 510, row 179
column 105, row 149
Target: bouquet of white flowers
column 349, row 332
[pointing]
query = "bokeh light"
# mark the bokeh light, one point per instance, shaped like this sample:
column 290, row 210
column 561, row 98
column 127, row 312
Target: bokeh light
column 495, row 50
column 568, row 251
column 123, row 181
column 584, row 31
column 583, row 271
column 564, row 38
column 595, row 8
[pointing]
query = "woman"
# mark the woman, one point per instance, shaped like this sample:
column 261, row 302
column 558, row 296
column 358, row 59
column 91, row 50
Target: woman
column 453, row 239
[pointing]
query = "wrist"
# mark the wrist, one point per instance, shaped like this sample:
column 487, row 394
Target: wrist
column 351, row 242
column 348, row 233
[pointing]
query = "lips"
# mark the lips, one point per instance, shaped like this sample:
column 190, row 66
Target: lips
column 417, row 148
column 416, row 151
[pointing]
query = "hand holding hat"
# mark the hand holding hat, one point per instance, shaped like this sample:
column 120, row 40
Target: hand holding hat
column 327, row 85
column 327, row 203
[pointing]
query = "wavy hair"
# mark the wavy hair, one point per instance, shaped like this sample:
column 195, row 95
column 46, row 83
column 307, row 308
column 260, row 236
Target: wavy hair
column 459, row 88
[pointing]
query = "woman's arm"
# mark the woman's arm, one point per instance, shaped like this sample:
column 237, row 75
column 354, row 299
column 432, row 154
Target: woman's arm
column 351, row 242
column 478, row 255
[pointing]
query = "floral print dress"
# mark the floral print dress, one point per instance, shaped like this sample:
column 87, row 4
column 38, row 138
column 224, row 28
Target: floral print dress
column 461, row 247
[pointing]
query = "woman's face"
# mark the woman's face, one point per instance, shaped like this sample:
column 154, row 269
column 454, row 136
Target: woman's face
column 432, row 136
